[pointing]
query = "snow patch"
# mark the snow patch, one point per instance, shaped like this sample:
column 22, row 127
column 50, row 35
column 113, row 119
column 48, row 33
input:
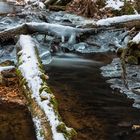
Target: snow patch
column 38, row 128
column 136, row 39
column 114, row 4
column 119, row 19
column 6, row 68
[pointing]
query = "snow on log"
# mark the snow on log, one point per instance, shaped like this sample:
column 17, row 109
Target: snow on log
column 118, row 20
column 44, row 28
column 6, row 68
column 59, row 30
column 68, row 32
column 136, row 39
column 43, row 105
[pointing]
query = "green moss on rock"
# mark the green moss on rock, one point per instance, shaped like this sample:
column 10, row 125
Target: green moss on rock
column 68, row 132
column 45, row 88
column 54, row 103
column 132, row 60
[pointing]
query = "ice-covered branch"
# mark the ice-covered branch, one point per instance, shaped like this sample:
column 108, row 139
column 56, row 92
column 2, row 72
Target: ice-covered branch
column 44, row 28
column 119, row 20
column 136, row 39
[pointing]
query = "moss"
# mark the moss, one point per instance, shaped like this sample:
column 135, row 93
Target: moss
column 54, row 103
column 23, row 81
column 101, row 3
column 38, row 58
column 127, row 8
column 68, row 132
column 20, row 61
column 44, row 77
column 45, row 88
column 136, row 53
column 119, row 52
column 18, row 72
column 7, row 63
column 132, row 60
column 41, row 132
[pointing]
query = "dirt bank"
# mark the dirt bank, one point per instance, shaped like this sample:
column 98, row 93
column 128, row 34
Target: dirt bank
column 15, row 119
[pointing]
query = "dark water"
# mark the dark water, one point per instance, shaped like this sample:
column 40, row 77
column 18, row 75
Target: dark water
column 87, row 103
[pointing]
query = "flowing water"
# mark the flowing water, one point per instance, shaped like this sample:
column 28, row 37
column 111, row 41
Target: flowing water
column 6, row 7
column 86, row 102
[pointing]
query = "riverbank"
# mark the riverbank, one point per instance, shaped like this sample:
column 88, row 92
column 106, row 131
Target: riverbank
column 15, row 119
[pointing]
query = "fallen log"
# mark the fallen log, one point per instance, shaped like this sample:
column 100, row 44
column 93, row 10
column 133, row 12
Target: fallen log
column 69, row 32
column 114, row 21
column 128, row 21
column 60, row 31
column 42, row 103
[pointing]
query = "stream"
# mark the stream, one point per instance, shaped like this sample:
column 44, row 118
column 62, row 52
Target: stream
column 5, row 8
column 77, row 77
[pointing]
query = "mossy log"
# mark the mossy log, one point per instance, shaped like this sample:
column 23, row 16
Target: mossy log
column 130, row 55
column 42, row 103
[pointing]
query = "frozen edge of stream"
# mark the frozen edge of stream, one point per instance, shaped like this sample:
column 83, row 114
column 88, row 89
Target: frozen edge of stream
column 113, row 72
